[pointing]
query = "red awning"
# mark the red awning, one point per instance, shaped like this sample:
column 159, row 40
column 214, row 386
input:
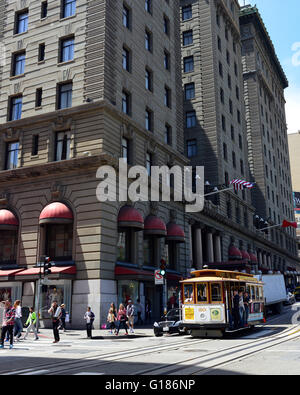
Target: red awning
column 234, row 254
column 245, row 255
column 137, row 274
column 175, row 233
column 129, row 217
column 8, row 221
column 154, row 226
column 6, row 273
column 35, row 271
column 56, row 213
column 253, row 258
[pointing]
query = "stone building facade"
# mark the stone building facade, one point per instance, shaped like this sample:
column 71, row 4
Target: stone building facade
column 84, row 84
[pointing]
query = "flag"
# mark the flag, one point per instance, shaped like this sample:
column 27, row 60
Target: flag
column 240, row 184
column 287, row 224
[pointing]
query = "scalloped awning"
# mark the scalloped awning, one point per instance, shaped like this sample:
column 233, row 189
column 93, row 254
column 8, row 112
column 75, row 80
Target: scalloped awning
column 56, row 213
column 8, row 220
column 129, row 217
column 154, row 226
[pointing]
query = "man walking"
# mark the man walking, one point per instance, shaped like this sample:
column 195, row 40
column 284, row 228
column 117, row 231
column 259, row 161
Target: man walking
column 89, row 317
column 55, row 314
column 8, row 324
column 31, row 321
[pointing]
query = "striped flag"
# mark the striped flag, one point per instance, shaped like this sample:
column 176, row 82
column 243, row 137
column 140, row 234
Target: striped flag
column 240, row 184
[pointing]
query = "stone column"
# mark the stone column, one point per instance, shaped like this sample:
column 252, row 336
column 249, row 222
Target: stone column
column 265, row 262
column 210, row 245
column 198, row 249
column 217, row 247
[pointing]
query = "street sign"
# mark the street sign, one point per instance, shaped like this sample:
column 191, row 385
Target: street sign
column 159, row 279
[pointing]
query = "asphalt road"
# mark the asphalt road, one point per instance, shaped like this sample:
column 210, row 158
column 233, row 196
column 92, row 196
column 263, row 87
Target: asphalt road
column 273, row 348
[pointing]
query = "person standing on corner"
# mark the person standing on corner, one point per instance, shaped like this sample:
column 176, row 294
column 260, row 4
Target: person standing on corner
column 55, row 313
column 130, row 312
column 8, row 324
column 63, row 318
column 89, row 317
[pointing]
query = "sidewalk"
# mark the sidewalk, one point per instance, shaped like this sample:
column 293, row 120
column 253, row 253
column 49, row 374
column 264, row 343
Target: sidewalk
column 79, row 334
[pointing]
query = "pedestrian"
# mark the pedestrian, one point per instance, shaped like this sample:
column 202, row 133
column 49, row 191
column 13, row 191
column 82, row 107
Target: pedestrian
column 89, row 317
column 31, row 321
column 122, row 318
column 241, row 308
column 130, row 312
column 139, row 310
column 55, row 314
column 112, row 306
column 18, row 327
column 63, row 317
column 8, row 324
column 148, row 311
column 235, row 312
column 247, row 302
column 111, row 318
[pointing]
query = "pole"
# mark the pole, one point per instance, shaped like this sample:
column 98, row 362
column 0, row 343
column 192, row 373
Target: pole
column 270, row 227
column 165, row 296
column 215, row 192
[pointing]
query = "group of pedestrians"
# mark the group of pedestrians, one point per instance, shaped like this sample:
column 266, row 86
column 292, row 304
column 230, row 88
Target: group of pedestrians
column 125, row 317
column 240, row 310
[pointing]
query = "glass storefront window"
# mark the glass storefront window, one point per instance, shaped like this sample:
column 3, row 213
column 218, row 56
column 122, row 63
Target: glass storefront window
column 5, row 294
column 59, row 291
column 172, row 297
column 127, row 289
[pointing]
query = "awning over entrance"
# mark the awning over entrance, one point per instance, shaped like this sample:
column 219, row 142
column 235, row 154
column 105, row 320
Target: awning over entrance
column 154, row 226
column 8, row 220
column 56, row 213
column 129, row 217
column 234, row 254
column 175, row 233
column 122, row 272
column 253, row 258
column 56, row 272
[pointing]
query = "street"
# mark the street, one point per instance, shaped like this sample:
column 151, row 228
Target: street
column 272, row 348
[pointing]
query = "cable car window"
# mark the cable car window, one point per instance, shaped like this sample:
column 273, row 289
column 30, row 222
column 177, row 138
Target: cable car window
column 201, row 292
column 256, row 293
column 216, row 295
column 188, row 293
column 252, row 293
column 260, row 291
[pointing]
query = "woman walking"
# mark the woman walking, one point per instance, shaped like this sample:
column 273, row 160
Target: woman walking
column 18, row 327
column 122, row 318
column 31, row 321
column 111, row 318
column 8, row 324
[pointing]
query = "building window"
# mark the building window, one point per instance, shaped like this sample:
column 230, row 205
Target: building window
column 148, row 6
column 148, row 79
column 222, row 95
column 12, row 153
column 188, row 64
column 126, row 102
column 66, row 49
column 15, row 111
column 68, row 8
column 168, row 134
column 63, row 142
column 41, row 55
column 21, row 22
column 125, row 149
column 126, row 16
column 126, row 59
column 65, row 96
column 189, row 91
column 191, row 146
column 18, row 63
column 149, row 120
column 44, row 9
column 167, row 62
column 124, row 246
column 167, row 98
column 148, row 40
column 148, row 162
column 35, row 145
column 223, row 123
column 190, row 119
column 233, row 159
column 187, row 12
column 166, row 25
column 225, row 151
column 59, row 241
column 38, row 97
column 187, row 37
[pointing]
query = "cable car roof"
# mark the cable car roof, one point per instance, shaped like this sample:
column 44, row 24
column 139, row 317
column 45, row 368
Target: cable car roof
column 208, row 275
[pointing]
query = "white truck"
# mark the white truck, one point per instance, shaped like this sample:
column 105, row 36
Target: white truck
column 274, row 291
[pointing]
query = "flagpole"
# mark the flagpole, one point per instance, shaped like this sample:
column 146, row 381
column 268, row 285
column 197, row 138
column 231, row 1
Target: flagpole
column 219, row 191
column 270, row 227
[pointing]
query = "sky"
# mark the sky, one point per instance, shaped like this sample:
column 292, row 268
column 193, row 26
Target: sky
column 282, row 20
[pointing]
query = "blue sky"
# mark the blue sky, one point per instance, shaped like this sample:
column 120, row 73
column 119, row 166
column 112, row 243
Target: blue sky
column 282, row 20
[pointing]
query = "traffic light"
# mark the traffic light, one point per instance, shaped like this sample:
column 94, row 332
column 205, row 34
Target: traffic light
column 162, row 267
column 47, row 266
